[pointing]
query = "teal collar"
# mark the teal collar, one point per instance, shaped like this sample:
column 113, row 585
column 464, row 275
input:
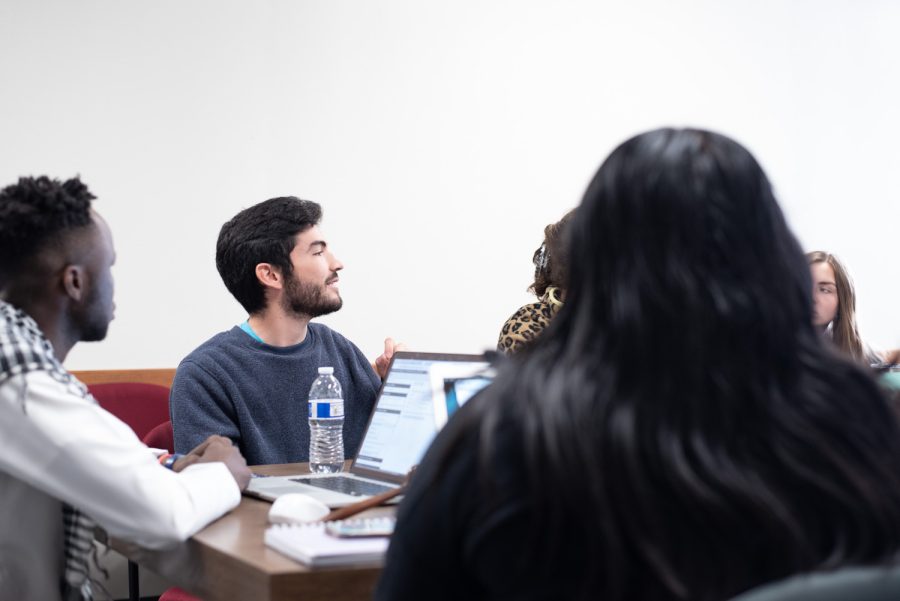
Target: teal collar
column 246, row 327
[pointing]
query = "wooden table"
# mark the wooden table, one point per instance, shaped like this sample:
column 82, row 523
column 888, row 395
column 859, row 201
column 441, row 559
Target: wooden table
column 228, row 560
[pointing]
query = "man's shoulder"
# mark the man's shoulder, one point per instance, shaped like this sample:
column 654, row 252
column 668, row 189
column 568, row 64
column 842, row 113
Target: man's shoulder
column 537, row 311
column 332, row 337
column 225, row 347
column 223, row 342
column 344, row 352
column 208, row 366
column 24, row 349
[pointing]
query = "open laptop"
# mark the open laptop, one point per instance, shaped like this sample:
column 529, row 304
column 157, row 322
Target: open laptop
column 400, row 430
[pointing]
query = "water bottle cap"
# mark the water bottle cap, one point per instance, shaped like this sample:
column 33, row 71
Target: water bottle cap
column 326, row 371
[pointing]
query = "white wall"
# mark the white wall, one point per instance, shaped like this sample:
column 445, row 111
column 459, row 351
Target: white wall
column 439, row 136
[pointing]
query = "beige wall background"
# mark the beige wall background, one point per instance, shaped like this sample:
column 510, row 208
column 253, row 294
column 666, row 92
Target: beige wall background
column 439, row 136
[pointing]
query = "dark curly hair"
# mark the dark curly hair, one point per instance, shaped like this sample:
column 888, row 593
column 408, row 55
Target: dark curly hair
column 33, row 213
column 551, row 259
column 264, row 233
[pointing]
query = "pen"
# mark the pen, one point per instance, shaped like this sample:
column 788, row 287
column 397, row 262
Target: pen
column 374, row 501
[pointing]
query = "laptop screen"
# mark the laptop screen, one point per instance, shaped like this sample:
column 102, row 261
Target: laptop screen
column 403, row 422
column 459, row 390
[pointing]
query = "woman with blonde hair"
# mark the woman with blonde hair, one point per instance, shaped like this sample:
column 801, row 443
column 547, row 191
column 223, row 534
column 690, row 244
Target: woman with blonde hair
column 834, row 304
column 834, row 309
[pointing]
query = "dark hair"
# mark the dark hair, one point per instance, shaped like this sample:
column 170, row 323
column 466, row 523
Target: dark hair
column 681, row 422
column 551, row 259
column 264, row 233
column 34, row 212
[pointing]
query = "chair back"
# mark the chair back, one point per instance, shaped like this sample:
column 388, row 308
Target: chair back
column 141, row 406
column 160, row 377
column 161, row 437
column 138, row 397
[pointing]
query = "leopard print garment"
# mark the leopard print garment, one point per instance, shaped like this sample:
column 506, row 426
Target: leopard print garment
column 526, row 323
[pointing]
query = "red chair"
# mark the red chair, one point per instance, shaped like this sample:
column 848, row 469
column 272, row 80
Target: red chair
column 161, row 437
column 144, row 407
column 141, row 406
column 176, row 594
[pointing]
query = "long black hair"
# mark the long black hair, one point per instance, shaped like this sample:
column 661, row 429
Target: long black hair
column 680, row 417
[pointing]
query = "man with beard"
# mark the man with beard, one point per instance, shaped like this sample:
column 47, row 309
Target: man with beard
column 251, row 383
column 64, row 458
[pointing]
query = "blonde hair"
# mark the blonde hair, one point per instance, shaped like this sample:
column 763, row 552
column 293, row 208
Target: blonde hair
column 844, row 332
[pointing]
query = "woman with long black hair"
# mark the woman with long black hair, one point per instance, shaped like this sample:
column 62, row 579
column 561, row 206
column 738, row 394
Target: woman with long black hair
column 679, row 431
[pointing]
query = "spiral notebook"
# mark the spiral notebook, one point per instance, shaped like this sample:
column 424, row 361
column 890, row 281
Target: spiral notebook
column 309, row 544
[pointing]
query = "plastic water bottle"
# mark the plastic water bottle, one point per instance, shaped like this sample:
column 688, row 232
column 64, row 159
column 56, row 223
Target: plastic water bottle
column 326, row 423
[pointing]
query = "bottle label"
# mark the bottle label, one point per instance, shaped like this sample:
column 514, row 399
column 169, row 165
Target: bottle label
column 326, row 408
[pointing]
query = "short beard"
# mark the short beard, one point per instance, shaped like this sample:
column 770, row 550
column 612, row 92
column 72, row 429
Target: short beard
column 94, row 332
column 92, row 322
column 307, row 300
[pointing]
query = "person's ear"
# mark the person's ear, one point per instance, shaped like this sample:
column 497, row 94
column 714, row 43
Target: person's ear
column 269, row 276
column 73, row 282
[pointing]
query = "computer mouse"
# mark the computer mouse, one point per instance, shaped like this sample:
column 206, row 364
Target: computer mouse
column 297, row 508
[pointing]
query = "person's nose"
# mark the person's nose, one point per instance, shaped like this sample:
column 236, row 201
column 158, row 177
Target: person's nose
column 817, row 300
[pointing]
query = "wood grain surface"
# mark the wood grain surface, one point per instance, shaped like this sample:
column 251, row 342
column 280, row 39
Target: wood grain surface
column 162, row 377
column 228, row 560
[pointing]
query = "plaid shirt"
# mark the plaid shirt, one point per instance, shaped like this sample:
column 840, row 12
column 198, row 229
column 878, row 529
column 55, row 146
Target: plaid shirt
column 24, row 349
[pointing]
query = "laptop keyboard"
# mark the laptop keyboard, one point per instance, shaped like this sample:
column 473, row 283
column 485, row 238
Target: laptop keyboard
column 350, row 486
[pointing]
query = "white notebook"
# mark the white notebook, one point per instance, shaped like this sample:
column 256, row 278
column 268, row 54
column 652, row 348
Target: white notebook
column 309, row 544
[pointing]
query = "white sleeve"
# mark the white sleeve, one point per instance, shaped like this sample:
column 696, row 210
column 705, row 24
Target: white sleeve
column 77, row 452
